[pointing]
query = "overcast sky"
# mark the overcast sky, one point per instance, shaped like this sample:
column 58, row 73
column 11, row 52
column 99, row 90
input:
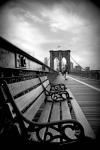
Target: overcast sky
column 40, row 26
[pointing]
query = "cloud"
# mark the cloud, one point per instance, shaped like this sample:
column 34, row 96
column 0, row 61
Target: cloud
column 58, row 19
column 34, row 17
column 37, row 27
column 20, row 32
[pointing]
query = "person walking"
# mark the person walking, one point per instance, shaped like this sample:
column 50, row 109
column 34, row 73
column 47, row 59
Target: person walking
column 65, row 72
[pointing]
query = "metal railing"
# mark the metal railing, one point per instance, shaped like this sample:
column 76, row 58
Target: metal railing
column 16, row 62
column 93, row 74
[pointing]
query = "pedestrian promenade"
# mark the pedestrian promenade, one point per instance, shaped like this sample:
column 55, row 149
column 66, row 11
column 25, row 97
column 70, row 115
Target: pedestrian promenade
column 87, row 94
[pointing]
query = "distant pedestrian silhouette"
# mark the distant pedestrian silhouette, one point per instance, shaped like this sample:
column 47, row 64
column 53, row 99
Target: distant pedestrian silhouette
column 65, row 71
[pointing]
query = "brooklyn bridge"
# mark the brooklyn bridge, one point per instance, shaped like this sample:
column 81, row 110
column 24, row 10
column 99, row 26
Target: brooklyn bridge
column 40, row 104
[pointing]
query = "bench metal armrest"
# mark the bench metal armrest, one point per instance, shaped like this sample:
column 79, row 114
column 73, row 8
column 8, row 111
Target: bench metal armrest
column 58, row 87
column 58, row 127
column 58, row 95
column 61, row 128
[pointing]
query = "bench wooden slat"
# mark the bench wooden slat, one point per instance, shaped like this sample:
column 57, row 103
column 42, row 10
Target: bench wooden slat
column 18, row 87
column 65, row 111
column 43, row 78
column 30, row 113
column 27, row 98
column 55, row 115
column 48, row 88
column 45, row 83
column 44, row 118
column 67, row 115
column 45, row 113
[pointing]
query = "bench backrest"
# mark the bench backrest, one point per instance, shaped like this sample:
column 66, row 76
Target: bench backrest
column 29, row 95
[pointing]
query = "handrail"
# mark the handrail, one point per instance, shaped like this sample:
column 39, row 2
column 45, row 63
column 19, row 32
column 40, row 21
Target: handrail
column 94, row 74
column 5, row 44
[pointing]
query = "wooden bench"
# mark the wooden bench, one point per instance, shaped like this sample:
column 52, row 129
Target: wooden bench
column 41, row 111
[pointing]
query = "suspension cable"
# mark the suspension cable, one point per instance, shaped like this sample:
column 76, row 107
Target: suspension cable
column 76, row 62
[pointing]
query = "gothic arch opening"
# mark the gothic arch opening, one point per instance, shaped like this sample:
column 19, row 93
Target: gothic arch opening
column 56, row 64
column 60, row 54
column 64, row 62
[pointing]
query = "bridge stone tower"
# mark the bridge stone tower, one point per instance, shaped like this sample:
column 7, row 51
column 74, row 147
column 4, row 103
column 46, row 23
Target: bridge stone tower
column 60, row 54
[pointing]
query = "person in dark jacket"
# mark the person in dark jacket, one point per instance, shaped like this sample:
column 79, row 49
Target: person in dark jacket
column 65, row 71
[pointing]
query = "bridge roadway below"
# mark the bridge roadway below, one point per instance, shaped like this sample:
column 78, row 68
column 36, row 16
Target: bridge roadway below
column 87, row 93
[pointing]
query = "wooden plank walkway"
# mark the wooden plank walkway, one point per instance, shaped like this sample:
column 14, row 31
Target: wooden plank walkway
column 87, row 93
